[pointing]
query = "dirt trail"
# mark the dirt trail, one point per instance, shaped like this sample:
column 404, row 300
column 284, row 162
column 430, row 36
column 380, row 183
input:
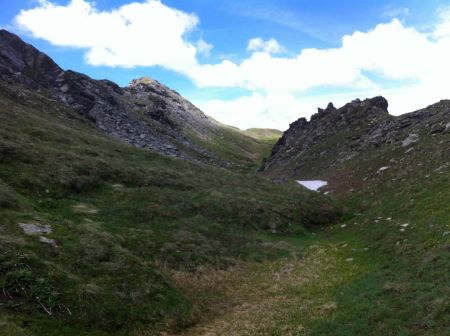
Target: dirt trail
column 270, row 298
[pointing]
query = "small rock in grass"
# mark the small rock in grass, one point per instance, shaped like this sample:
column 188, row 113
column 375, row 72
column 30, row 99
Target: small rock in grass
column 343, row 225
column 437, row 129
column 404, row 225
column 48, row 241
column 349, row 259
column 412, row 138
column 33, row 229
column 325, row 308
column 394, row 287
column 402, row 230
column 439, row 169
column 447, row 127
column 383, row 168
column 85, row 209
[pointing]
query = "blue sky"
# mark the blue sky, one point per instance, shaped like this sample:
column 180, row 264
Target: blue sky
column 260, row 63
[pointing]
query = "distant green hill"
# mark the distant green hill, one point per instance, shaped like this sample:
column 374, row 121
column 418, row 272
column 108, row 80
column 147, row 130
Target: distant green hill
column 266, row 135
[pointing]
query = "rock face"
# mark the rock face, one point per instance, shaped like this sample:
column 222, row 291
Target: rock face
column 334, row 136
column 21, row 62
column 145, row 114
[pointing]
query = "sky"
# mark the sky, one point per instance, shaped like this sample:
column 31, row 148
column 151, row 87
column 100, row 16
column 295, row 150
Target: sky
column 251, row 63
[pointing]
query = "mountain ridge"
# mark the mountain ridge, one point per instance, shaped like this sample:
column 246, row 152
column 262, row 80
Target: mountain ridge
column 145, row 114
column 310, row 149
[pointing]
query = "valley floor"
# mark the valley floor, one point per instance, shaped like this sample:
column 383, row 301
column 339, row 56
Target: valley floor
column 271, row 298
column 332, row 284
column 382, row 271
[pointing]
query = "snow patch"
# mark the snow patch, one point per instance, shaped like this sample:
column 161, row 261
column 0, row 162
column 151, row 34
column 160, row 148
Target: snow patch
column 314, row 185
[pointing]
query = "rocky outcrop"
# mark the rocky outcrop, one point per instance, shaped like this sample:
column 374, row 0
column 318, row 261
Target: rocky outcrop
column 21, row 62
column 145, row 114
column 334, row 136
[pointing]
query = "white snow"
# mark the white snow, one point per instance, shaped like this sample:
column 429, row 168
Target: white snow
column 314, row 185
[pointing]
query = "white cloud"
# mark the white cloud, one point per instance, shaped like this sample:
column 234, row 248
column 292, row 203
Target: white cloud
column 271, row 110
column 140, row 33
column 443, row 27
column 203, row 47
column 150, row 33
column 270, row 46
column 390, row 50
column 391, row 11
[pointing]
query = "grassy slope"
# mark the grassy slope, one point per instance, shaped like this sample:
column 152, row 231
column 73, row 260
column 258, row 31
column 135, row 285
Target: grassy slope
column 408, row 266
column 243, row 151
column 369, row 275
column 123, row 219
column 266, row 135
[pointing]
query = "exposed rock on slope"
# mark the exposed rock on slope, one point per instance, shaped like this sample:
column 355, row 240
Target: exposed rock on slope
column 21, row 62
column 146, row 114
column 311, row 149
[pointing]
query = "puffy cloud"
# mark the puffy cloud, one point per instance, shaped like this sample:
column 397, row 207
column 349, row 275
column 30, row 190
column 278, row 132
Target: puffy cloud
column 270, row 46
column 270, row 110
column 140, row 33
column 203, row 47
column 390, row 50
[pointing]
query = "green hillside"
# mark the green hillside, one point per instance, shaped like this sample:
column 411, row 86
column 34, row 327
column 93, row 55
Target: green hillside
column 123, row 221
column 382, row 270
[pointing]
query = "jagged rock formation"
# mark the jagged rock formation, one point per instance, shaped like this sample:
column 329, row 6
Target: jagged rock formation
column 333, row 136
column 145, row 114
